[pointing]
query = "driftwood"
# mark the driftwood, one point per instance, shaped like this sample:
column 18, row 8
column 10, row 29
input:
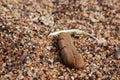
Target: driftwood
column 69, row 54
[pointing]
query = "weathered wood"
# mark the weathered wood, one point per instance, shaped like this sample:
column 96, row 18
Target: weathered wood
column 69, row 54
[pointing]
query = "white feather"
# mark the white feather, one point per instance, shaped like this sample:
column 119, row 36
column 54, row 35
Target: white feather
column 72, row 31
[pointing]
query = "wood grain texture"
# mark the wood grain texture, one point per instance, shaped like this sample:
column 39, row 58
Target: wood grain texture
column 69, row 54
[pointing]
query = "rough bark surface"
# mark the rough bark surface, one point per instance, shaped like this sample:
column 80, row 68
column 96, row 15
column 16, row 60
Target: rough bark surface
column 69, row 54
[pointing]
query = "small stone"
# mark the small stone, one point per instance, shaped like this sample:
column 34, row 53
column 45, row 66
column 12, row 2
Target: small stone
column 35, row 79
column 23, row 56
column 42, row 29
column 51, row 66
column 90, row 56
column 72, row 77
column 5, row 28
column 102, row 40
column 99, row 74
column 1, row 61
column 41, row 56
column 117, row 53
column 50, row 60
column 49, row 47
column 98, row 57
column 100, row 2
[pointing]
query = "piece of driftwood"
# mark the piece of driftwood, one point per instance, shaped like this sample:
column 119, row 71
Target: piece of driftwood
column 71, row 57
column 69, row 54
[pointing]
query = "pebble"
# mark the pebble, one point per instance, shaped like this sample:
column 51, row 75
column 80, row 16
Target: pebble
column 99, row 74
column 35, row 79
column 49, row 48
column 117, row 53
column 72, row 77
